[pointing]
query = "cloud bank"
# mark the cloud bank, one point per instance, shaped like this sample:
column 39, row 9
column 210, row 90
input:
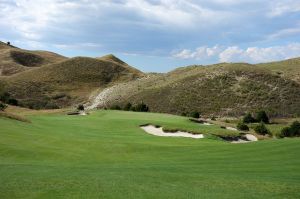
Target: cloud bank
column 237, row 54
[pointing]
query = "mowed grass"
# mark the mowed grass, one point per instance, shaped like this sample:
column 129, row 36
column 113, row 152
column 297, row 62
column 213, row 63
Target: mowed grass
column 107, row 155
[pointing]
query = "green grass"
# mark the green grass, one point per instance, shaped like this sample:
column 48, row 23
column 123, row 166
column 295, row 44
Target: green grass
column 106, row 155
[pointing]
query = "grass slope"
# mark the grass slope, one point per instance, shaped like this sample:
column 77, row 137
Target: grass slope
column 67, row 82
column 221, row 89
column 288, row 68
column 14, row 60
column 106, row 155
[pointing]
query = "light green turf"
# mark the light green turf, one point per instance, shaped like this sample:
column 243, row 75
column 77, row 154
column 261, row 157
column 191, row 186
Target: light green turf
column 106, row 155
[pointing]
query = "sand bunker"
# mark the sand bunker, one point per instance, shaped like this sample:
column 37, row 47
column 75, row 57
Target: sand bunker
column 231, row 128
column 158, row 131
column 248, row 138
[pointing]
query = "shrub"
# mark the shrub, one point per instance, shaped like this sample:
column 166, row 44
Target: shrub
column 4, row 97
column 195, row 114
column 291, row 131
column 2, row 106
column 115, row 107
column 80, row 107
column 141, row 107
column 295, row 128
column 262, row 129
column 213, row 118
column 132, row 108
column 51, row 105
column 248, row 118
column 13, row 102
column 261, row 116
column 285, row 132
column 127, row 107
column 242, row 126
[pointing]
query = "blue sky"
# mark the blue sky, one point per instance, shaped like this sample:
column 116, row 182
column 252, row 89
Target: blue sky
column 157, row 35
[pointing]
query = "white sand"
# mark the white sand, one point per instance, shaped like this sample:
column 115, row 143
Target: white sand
column 231, row 128
column 82, row 113
column 249, row 137
column 159, row 132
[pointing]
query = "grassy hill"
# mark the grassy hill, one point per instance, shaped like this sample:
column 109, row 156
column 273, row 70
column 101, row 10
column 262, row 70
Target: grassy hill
column 14, row 60
column 107, row 155
column 221, row 89
column 66, row 82
column 288, row 68
column 48, row 80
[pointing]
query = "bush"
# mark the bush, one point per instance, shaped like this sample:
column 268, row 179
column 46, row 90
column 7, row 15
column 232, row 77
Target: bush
column 213, row 118
column 262, row 129
column 291, row 131
column 13, row 102
column 261, row 116
column 115, row 107
column 295, row 128
column 80, row 107
column 285, row 132
column 127, row 107
column 195, row 114
column 2, row 106
column 132, row 108
column 248, row 118
column 4, row 97
column 141, row 107
column 242, row 126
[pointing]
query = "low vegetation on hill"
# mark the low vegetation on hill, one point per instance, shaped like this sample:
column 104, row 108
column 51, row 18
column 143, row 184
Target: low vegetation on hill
column 226, row 89
column 67, row 82
column 222, row 89
column 14, row 60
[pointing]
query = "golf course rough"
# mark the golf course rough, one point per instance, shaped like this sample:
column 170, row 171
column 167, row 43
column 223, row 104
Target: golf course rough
column 107, row 155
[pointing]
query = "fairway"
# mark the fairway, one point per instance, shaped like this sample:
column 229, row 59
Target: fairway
column 107, row 155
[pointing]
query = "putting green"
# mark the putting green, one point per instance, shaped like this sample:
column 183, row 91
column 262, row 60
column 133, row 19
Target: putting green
column 107, row 155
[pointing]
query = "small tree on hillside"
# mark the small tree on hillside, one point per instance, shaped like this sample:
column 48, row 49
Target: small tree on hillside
column 262, row 129
column 141, row 107
column 127, row 107
column 295, row 128
column 115, row 107
column 80, row 107
column 248, row 118
column 261, row 116
column 291, row 131
column 242, row 126
column 2, row 106
column 195, row 114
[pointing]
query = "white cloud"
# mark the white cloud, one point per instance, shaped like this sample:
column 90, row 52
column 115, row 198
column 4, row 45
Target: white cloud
column 285, row 33
column 237, row 54
column 282, row 7
column 200, row 53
